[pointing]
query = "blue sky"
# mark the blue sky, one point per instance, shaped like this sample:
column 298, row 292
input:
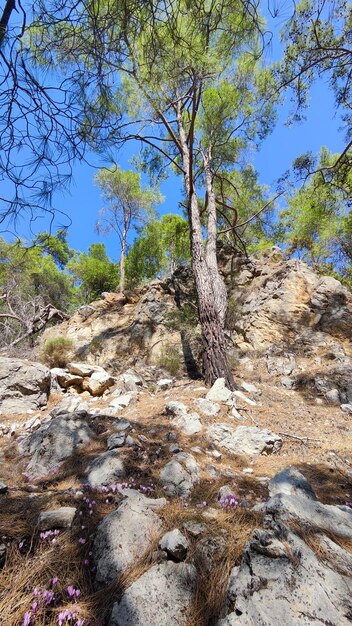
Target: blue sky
column 276, row 155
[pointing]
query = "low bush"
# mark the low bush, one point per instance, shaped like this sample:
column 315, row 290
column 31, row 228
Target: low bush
column 170, row 359
column 57, row 351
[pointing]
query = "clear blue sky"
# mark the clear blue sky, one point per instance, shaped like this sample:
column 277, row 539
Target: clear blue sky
column 276, row 155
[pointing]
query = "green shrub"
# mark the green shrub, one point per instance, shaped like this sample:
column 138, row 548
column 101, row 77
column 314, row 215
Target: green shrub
column 57, row 351
column 170, row 359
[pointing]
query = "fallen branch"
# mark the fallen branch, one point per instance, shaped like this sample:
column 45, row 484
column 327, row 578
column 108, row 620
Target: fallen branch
column 303, row 439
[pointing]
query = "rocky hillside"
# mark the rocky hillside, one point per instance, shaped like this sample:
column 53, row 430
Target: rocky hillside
column 132, row 497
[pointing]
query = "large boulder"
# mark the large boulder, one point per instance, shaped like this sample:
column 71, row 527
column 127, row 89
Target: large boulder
column 163, row 595
column 283, row 579
column 54, row 442
column 24, row 385
column 244, row 439
column 125, row 535
column 105, row 469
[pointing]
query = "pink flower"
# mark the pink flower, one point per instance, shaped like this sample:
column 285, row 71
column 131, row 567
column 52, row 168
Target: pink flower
column 27, row 618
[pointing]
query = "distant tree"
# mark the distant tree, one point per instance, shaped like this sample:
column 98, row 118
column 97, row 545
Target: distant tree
column 56, row 246
column 33, row 291
column 94, row 272
column 161, row 246
column 317, row 223
column 129, row 205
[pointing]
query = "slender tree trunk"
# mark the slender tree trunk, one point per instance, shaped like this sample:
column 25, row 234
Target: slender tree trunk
column 212, row 298
column 122, row 260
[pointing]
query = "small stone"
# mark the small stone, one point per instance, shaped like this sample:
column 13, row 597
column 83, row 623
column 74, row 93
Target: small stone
column 120, row 425
column 121, row 401
column 236, row 414
column 171, row 436
column 249, row 388
column 210, row 513
column 174, row 448
column 175, row 544
column 242, row 396
column 219, row 392
column 248, row 470
column 116, row 441
column 195, row 529
column 346, row 408
column 58, row 518
column 333, row 396
column 207, row 407
column 216, row 454
column 3, row 488
column 164, row 383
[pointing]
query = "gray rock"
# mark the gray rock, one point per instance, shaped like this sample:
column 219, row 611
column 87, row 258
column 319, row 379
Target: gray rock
column 83, row 369
column 188, row 423
column 164, row 383
column 175, row 544
column 346, row 408
column 250, row 388
column 219, row 392
column 283, row 365
column 70, row 404
column 24, row 385
column 162, row 596
column 310, row 513
column 105, row 469
column 241, row 396
column 121, row 424
column 116, row 441
column 180, row 474
column 284, row 582
column 121, row 401
column 98, row 382
column 58, row 518
column 207, row 407
column 53, row 443
column 125, row 535
column 65, row 379
column 291, row 482
column 3, row 487
column 333, row 396
column 244, row 439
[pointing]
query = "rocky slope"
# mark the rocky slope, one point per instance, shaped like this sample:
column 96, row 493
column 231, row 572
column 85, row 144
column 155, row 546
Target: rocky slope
column 130, row 497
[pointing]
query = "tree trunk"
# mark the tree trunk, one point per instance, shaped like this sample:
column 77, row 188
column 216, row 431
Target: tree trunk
column 211, row 291
column 122, row 261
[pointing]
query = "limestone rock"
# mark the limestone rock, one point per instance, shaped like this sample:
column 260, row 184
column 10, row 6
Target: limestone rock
column 98, row 382
column 318, row 516
column 116, row 441
column 24, row 385
column 121, row 401
column 180, row 474
column 125, row 534
column 284, row 582
column 57, row 518
column 346, row 408
column 244, row 439
column 207, row 407
column 83, row 369
column 70, row 404
column 54, row 442
column 291, row 482
column 160, row 597
column 65, row 379
column 219, row 392
column 188, row 423
column 175, row 544
column 105, row 469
